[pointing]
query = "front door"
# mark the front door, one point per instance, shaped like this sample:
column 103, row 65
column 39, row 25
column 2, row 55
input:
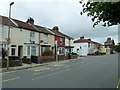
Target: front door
column 20, row 51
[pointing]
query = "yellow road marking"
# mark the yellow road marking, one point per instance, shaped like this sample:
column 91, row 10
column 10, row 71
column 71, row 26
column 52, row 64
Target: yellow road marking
column 57, row 65
column 118, row 83
column 37, row 73
column 42, row 69
column 10, row 79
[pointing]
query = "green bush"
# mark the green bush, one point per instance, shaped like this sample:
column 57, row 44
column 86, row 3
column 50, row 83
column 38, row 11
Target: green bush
column 97, row 53
column 47, row 53
column 4, row 53
column 74, row 53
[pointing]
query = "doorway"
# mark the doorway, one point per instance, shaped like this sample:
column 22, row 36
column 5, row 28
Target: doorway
column 20, row 50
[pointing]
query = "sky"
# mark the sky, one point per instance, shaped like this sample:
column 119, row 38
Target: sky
column 62, row 13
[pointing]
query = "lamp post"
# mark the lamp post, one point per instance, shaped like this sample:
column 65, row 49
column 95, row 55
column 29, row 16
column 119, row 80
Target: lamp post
column 8, row 40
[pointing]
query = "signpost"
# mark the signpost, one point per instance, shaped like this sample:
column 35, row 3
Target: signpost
column 56, row 55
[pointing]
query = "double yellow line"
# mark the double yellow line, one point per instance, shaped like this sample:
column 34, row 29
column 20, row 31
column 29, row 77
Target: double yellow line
column 10, row 79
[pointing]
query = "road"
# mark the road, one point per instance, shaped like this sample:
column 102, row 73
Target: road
column 90, row 72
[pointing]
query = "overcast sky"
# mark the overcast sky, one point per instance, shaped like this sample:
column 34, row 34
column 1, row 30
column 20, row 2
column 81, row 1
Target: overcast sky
column 62, row 13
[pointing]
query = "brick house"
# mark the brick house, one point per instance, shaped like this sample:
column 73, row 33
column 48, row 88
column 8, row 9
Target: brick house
column 109, row 43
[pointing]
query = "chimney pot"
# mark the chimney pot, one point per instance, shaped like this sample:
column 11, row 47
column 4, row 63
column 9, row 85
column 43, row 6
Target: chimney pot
column 82, row 37
column 30, row 20
column 89, row 39
column 56, row 28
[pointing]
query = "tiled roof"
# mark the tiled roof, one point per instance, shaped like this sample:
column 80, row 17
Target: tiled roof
column 5, row 21
column 24, row 25
column 85, row 40
column 61, row 34
column 81, row 41
column 57, row 33
column 43, row 29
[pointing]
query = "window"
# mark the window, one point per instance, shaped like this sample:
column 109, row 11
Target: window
column 60, row 41
column 89, row 44
column 28, row 50
column 32, row 36
column 43, row 49
column 61, row 50
column 0, row 49
column 0, row 31
column 45, row 38
column 13, row 49
column 33, row 50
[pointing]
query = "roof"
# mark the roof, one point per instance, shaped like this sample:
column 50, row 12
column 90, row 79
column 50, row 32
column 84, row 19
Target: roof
column 24, row 25
column 5, row 21
column 43, row 29
column 81, row 41
column 61, row 34
column 57, row 33
column 85, row 40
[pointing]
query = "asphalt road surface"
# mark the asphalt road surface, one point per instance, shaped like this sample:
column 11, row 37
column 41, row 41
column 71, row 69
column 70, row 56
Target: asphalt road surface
column 90, row 72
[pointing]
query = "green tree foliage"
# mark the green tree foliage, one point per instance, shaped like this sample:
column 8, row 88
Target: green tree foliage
column 47, row 53
column 106, row 12
column 117, row 47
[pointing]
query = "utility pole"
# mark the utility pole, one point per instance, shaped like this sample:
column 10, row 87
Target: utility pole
column 8, row 39
column 56, row 55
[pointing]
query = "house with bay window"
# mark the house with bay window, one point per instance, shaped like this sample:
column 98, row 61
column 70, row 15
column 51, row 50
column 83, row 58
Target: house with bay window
column 26, row 39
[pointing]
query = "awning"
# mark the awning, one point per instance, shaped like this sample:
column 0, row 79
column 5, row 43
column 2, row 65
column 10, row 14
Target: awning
column 69, row 46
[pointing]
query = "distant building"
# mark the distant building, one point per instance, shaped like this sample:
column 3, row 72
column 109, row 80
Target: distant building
column 109, row 43
column 83, row 47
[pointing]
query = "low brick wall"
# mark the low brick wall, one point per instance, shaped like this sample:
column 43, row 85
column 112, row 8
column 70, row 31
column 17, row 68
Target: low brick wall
column 26, row 60
column 44, row 59
column 12, row 63
column 74, row 57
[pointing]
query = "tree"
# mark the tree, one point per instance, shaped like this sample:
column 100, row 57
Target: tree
column 106, row 12
column 117, row 47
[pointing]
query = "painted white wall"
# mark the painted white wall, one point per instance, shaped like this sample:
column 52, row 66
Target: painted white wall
column 83, row 51
column 67, row 42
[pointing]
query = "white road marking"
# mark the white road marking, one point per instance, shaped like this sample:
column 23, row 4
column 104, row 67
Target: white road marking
column 50, row 74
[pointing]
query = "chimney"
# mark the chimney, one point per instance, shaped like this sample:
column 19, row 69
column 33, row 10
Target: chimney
column 82, row 37
column 30, row 20
column 89, row 39
column 55, row 28
column 108, row 38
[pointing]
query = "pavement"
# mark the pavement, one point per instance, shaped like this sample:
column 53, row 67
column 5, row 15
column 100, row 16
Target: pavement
column 90, row 72
column 26, row 66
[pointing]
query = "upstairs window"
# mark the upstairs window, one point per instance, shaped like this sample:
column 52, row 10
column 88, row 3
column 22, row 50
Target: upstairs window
column 32, row 36
column 45, row 38
column 61, row 41
column 1, row 31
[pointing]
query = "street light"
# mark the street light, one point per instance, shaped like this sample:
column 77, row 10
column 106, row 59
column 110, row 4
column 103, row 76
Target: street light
column 8, row 40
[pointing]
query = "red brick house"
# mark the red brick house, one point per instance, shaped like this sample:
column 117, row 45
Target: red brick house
column 60, row 40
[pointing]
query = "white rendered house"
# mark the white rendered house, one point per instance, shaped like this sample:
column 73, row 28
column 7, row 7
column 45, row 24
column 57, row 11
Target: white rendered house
column 83, row 47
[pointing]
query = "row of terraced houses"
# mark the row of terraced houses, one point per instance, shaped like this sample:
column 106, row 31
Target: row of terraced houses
column 28, row 39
